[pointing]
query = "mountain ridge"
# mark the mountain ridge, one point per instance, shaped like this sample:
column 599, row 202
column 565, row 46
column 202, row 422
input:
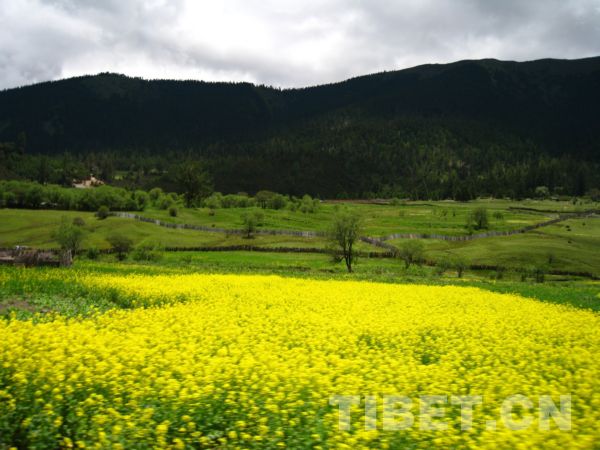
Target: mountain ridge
column 506, row 93
column 590, row 59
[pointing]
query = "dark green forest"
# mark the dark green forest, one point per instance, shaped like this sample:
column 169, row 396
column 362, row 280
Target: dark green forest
column 460, row 130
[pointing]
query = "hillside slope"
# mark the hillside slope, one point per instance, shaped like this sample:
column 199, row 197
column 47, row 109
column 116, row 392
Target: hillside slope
column 435, row 131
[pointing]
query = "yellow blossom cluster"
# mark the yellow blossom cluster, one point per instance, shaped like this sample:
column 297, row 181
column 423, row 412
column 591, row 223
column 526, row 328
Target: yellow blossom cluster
column 237, row 361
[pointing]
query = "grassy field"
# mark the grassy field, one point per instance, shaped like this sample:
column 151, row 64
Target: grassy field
column 379, row 220
column 572, row 245
column 34, row 228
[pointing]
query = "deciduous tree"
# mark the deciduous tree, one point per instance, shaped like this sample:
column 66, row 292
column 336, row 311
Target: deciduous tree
column 343, row 233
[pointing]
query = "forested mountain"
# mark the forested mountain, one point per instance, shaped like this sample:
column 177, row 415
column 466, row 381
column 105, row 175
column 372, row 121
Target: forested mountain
column 434, row 131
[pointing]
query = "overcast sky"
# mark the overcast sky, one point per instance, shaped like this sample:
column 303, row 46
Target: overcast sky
column 280, row 42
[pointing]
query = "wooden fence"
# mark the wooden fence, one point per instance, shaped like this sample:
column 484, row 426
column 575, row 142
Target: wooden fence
column 377, row 241
column 486, row 234
column 185, row 226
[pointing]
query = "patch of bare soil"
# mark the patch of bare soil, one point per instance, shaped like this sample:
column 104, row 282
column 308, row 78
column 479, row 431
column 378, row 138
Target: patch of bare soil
column 19, row 304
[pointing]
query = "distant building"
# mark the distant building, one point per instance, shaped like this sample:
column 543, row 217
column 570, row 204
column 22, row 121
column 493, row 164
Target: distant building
column 91, row 182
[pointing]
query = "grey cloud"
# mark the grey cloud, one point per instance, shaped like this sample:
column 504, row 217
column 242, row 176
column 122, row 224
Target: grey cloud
column 288, row 44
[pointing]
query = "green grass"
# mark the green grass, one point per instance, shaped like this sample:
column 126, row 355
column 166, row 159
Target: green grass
column 554, row 246
column 34, row 228
column 573, row 245
column 379, row 220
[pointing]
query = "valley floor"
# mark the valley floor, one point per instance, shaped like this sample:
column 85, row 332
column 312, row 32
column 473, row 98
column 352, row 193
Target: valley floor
column 569, row 246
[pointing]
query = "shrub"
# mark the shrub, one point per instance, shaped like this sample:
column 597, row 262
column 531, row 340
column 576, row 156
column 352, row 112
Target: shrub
column 214, row 201
column 500, row 272
column 260, row 217
column 92, row 253
column 542, row 192
column 309, row 204
column 539, row 274
column 165, row 202
column 155, row 194
column 235, row 201
column 523, row 276
column 78, row 222
column 442, row 266
column 103, row 212
column 145, row 252
column 142, row 199
column 173, row 211
column 245, row 202
column 594, row 194
column 277, row 201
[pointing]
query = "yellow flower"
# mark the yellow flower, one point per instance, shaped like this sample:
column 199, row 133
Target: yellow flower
column 257, row 358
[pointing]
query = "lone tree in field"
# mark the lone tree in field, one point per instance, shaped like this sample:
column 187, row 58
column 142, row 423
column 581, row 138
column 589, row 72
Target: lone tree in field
column 249, row 224
column 460, row 265
column 194, row 181
column 411, row 252
column 250, row 221
column 69, row 237
column 478, row 219
column 120, row 244
column 343, row 234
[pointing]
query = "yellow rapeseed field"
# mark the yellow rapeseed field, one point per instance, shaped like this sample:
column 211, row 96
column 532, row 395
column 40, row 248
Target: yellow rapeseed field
column 233, row 361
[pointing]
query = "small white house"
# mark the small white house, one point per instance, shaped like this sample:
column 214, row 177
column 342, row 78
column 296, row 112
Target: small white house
column 91, row 182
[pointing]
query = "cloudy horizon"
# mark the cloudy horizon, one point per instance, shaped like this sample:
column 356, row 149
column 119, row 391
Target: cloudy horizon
column 280, row 43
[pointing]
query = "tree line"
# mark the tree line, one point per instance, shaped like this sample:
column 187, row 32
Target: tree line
column 103, row 199
column 336, row 159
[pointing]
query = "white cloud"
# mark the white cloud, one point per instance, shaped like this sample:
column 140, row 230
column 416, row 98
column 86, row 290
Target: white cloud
column 280, row 42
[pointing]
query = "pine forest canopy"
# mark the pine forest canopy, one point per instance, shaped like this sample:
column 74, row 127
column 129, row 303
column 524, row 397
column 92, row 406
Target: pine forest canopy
column 457, row 130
